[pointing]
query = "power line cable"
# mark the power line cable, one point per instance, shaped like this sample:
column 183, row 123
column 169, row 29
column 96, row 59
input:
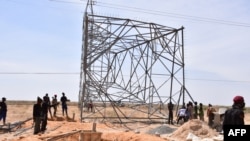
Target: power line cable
column 77, row 73
column 174, row 15
column 41, row 73
column 159, row 13
column 70, row 2
column 218, row 80
column 34, row 4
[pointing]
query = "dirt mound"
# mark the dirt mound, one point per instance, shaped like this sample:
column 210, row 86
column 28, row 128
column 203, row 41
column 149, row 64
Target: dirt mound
column 196, row 127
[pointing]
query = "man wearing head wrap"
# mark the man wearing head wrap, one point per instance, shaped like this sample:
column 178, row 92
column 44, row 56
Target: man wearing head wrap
column 235, row 115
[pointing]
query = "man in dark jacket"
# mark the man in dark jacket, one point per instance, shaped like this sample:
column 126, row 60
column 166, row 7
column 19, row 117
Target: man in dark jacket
column 3, row 110
column 170, row 112
column 235, row 115
column 45, row 110
column 64, row 100
column 48, row 103
column 37, row 113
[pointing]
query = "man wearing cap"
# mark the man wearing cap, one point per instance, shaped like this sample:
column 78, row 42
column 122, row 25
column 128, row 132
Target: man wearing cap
column 235, row 115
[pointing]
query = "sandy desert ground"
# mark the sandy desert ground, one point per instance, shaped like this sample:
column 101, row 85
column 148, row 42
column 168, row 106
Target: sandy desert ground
column 71, row 128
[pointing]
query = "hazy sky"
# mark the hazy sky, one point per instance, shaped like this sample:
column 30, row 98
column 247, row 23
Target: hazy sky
column 40, row 44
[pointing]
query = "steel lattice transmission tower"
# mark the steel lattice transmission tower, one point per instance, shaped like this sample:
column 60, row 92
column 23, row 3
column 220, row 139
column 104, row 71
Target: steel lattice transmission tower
column 132, row 66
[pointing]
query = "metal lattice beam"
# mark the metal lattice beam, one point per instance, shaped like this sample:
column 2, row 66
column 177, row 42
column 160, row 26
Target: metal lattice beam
column 132, row 62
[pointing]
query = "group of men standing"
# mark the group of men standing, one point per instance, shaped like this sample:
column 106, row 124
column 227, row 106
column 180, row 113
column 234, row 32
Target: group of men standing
column 43, row 107
column 186, row 112
column 232, row 116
